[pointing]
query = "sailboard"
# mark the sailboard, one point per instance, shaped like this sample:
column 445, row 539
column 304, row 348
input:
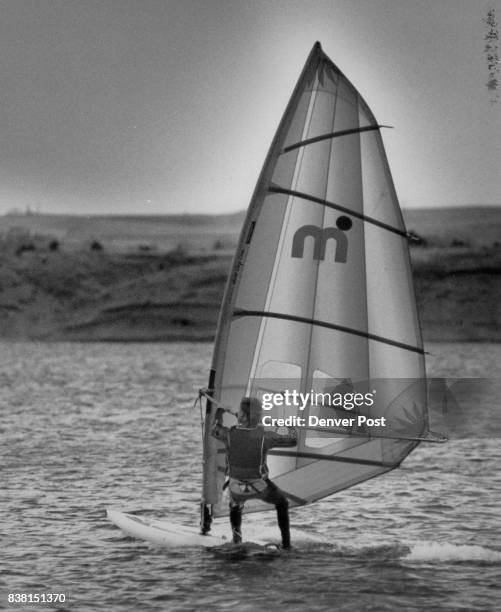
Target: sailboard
column 320, row 295
column 162, row 533
column 319, row 298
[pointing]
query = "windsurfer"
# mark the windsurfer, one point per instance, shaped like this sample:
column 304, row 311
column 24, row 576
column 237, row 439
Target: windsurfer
column 246, row 447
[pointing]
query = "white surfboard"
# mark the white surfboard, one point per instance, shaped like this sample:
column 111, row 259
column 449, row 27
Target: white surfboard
column 162, row 533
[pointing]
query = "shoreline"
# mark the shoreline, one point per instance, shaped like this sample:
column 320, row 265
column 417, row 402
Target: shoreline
column 188, row 340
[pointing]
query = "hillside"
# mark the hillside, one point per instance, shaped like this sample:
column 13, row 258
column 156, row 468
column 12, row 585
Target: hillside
column 129, row 233
column 162, row 278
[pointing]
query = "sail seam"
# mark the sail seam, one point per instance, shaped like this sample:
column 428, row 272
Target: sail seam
column 301, row 438
column 353, row 213
column 308, row 141
column 241, row 312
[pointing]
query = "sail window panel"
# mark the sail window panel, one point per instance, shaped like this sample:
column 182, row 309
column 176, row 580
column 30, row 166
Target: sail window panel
column 380, row 200
column 317, row 440
column 282, row 372
column 345, row 173
column 390, row 295
column 280, row 340
column 255, row 278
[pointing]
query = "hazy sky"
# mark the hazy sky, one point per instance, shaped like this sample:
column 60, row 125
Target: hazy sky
column 158, row 106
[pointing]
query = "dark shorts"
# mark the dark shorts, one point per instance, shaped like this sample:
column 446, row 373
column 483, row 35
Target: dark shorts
column 261, row 488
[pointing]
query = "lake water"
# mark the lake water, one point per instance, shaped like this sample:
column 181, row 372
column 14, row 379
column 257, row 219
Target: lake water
column 85, row 426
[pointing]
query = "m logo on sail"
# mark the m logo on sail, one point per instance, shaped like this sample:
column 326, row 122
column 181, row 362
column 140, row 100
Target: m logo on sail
column 320, row 238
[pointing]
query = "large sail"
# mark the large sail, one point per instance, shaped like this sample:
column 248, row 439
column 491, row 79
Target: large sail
column 320, row 293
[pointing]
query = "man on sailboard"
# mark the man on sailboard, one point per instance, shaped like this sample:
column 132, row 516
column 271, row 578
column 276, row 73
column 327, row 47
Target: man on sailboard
column 246, row 447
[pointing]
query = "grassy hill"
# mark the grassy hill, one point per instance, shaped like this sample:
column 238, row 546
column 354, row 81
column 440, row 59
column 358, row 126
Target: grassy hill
column 162, row 278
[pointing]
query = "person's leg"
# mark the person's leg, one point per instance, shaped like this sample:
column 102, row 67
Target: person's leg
column 283, row 522
column 273, row 495
column 205, row 519
column 236, row 521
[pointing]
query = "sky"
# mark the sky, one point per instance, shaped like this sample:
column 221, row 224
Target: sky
column 169, row 106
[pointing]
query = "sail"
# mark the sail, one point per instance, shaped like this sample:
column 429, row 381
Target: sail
column 320, row 294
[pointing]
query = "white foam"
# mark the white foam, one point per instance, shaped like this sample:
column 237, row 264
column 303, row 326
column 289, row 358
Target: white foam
column 443, row 551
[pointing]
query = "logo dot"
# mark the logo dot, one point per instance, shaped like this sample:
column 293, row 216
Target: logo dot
column 344, row 223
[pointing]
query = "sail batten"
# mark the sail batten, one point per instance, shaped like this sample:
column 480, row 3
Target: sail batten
column 320, row 291
column 332, row 135
column 277, row 315
column 346, row 209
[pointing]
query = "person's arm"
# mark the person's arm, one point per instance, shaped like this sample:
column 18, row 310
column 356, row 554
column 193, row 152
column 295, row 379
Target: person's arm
column 274, row 439
column 219, row 431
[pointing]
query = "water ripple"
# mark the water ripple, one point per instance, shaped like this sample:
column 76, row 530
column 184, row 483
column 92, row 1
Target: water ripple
column 90, row 426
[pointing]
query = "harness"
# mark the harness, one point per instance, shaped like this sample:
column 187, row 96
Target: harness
column 240, row 490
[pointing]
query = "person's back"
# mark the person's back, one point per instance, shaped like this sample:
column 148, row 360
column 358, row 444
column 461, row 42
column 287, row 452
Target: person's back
column 246, row 453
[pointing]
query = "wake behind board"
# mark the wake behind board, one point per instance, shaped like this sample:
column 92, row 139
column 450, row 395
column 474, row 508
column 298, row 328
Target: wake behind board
column 246, row 550
column 162, row 533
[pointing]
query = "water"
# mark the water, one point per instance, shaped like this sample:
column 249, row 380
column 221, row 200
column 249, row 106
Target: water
column 85, row 426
